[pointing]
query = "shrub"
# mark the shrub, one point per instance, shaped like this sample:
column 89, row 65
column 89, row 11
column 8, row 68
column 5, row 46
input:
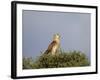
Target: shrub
column 63, row 59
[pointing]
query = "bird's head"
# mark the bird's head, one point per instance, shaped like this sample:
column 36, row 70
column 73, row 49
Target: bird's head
column 56, row 37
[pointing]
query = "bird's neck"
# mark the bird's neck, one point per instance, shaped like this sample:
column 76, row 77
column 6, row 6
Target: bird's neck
column 57, row 40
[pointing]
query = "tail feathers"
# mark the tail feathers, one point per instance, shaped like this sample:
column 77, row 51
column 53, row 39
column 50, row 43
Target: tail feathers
column 46, row 52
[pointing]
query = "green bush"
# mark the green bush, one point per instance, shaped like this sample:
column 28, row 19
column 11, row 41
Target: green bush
column 62, row 59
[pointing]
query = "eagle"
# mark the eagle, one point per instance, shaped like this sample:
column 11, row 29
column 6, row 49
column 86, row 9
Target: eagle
column 54, row 45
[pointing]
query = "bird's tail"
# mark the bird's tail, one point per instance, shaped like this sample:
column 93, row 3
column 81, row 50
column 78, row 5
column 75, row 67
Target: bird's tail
column 46, row 52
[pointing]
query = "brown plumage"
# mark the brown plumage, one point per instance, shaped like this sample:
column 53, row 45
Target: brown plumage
column 50, row 47
column 54, row 45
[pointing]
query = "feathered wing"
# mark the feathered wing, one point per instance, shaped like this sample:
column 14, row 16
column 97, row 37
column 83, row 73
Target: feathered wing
column 53, row 43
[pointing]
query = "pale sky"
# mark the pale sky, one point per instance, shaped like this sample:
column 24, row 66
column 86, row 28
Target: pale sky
column 39, row 27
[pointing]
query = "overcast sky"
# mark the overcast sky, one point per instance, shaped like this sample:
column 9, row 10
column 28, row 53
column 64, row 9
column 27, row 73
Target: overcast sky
column 39, row 27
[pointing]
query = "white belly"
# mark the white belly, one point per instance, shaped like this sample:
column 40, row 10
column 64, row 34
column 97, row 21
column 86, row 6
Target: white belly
column 54, row 49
